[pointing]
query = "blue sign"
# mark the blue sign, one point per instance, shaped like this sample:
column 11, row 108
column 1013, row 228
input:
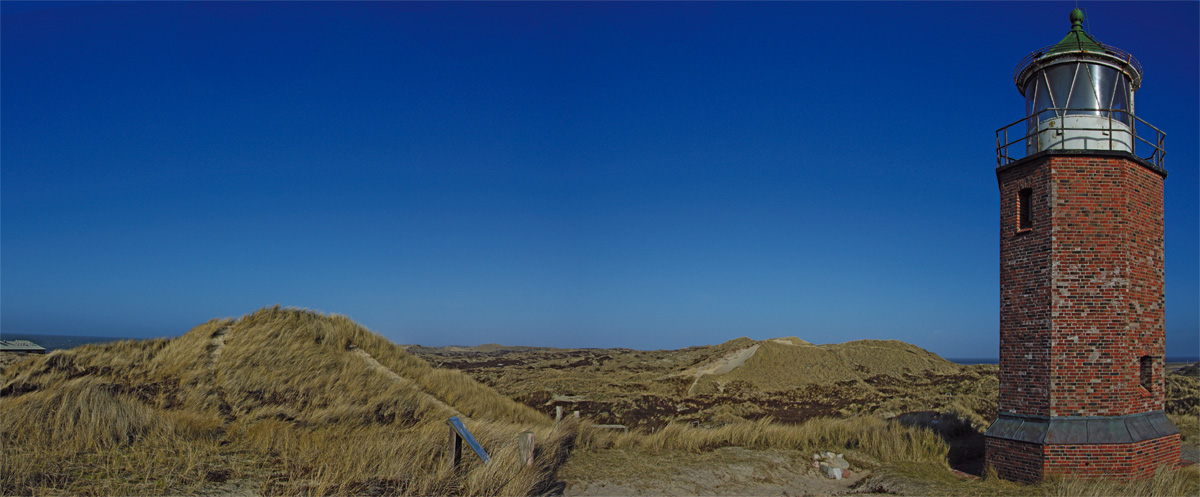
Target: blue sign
column 459, row 428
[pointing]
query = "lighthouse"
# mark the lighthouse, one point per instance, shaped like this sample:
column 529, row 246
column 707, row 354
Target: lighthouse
column 1081, row 272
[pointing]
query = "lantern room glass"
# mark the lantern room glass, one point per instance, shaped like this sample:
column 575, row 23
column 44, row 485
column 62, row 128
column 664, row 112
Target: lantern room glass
column 1084, row 87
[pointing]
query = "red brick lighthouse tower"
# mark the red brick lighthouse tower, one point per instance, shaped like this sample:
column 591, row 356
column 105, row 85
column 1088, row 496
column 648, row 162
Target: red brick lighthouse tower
column 1081, row 272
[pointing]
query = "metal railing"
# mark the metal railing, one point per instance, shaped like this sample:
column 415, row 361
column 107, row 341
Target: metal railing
column 1056, row 50
column 1033, row 128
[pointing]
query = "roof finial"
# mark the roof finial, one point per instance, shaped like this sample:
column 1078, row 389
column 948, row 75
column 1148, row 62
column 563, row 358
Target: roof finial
column 1077, row 20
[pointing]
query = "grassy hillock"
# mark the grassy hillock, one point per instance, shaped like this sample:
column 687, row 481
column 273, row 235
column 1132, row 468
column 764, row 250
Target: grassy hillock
column 786, row 379
column 781, row 364
column 281, row 401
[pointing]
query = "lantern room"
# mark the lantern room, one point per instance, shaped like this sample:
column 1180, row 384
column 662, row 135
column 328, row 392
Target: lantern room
column 1079, row 95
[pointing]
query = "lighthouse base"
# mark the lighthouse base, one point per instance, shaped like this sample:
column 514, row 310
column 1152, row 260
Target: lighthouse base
column 1028, row 449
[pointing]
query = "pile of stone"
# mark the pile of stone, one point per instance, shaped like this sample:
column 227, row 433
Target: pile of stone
column 831, row 465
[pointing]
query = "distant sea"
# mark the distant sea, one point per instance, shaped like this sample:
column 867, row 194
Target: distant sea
column 55, row 342
column 966, row 361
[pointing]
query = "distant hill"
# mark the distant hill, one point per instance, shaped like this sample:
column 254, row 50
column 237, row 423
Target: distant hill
column 276, row 363
column 781, row 364
column 246, row 397
column 788, row 379
column 1192, row 370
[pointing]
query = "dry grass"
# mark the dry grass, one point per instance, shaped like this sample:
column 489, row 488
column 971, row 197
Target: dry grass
column 1165, row 482
column 962, row 398
column 915, row 478
column 1183, row 394
column 290, row 402
column 874, row 437
column 87, row 438
column 790, row 382
column 279, row 402
column 82, row 405
column 355, row 460
column 777, row 366
column 1183, row 403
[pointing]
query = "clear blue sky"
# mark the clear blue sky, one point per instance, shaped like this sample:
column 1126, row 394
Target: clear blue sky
column 562, row 174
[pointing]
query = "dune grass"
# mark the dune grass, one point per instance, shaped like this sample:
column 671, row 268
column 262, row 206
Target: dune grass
column 85, row 438
column 1164, row 482
column 874, row 437
column 279, row 402
column 906, row 460
column 790, row 381
column 291, row 402
column 908, row 478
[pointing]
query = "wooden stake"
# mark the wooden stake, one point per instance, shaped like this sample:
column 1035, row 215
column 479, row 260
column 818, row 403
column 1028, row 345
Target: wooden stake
column 455, row 447
column 525, row 447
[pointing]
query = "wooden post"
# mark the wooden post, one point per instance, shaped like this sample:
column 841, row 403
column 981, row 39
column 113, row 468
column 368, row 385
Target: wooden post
column 557, row 413
column 525, row 447
column 455, row 447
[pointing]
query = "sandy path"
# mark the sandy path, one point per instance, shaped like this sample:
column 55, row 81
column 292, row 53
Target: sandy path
column 725, row 471
column 379, row 367
column 723, row 365
column 215, row 345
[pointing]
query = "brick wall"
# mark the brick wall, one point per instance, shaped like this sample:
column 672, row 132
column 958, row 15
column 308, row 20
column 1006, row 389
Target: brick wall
column 1107, row 286
column 1081, row 293
column 1120, row 461
column 1145, row 295
column 1081, row 302
column 1025, row 292
column 1017, row 461
column 1027, row 462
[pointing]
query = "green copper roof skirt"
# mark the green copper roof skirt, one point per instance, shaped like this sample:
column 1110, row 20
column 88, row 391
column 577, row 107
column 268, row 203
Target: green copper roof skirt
column 1077, row 40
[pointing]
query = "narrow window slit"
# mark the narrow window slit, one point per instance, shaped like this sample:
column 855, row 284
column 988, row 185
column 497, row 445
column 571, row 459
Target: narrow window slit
column 1025, row 206
column 1146, row 373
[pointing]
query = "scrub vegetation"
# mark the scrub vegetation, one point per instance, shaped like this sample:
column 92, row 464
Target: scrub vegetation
column 786, row 379
column 292, row 402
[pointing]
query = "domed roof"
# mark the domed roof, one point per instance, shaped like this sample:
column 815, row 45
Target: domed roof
column 1079, row 45
column 1077, row 40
